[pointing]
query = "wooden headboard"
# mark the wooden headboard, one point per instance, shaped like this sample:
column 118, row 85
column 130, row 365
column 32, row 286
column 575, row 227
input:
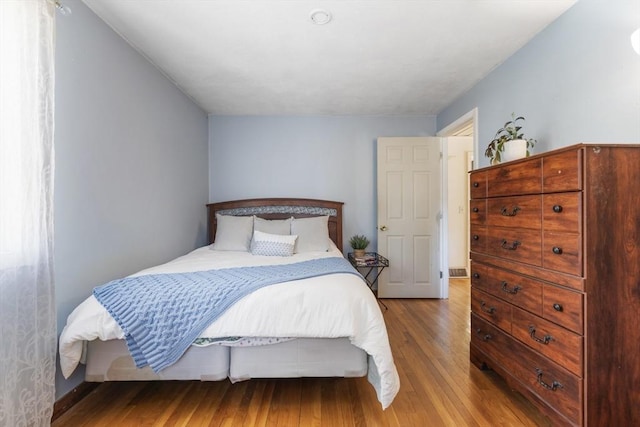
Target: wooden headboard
column 280, row 208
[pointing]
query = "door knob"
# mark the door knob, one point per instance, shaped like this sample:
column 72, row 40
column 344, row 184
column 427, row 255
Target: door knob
column 383, row 228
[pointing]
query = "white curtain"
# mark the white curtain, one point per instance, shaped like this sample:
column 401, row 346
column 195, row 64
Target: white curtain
column 27, row 304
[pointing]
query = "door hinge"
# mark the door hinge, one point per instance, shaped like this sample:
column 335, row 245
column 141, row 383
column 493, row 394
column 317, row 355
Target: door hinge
column 441, row 274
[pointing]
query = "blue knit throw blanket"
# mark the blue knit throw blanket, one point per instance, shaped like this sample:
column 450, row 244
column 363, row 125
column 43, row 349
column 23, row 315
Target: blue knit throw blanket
column 162, row 314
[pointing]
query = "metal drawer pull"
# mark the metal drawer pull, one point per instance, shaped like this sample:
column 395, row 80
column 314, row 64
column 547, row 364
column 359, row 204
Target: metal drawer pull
column 554, row 385
column 556, row 250
column 489, row 310
column 476, row 275
column 505, row 212
column 557, row 208
column 475, row 184
column 545, row 340
column 512, row 247
column 510, row 291
column 557, row 307
column 483, row 337
column 476, row 237
column 476, row 209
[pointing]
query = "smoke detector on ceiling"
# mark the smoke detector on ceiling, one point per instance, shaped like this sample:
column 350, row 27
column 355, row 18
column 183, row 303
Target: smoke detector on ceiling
column 320, row 16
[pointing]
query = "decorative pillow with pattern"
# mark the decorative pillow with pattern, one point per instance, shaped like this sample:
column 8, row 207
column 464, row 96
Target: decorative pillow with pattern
column 272, row 244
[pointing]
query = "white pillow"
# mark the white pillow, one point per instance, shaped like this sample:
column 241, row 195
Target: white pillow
column 233, row 233
column 313, row 233
column 272, row 244
column 272, row 226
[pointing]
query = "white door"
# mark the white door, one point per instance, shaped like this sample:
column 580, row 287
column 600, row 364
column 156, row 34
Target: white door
column 409, row 212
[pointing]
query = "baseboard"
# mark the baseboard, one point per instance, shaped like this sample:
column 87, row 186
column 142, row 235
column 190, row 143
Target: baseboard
column 67, row 401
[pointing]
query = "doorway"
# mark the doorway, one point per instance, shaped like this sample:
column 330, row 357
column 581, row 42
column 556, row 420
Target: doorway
column 460, row 150
column 459, row 159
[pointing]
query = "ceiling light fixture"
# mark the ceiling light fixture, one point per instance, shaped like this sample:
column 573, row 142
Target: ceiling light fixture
column 635, row 41
column 320, row 16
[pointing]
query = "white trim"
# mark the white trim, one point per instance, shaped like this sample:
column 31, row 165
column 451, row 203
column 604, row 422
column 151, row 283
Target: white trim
column 444, row 222
column 460, row 123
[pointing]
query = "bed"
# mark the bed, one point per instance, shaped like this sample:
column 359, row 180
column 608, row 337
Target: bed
column 315, row 325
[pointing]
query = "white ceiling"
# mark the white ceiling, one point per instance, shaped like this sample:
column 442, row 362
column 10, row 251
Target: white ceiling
column 376, row 57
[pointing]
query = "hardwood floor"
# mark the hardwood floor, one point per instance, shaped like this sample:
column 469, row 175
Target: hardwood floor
column 439, row 387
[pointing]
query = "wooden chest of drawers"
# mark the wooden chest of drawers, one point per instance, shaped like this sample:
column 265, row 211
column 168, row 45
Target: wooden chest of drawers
column 555, row 297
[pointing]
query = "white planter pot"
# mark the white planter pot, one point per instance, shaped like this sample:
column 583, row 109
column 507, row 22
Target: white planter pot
column 513, row 150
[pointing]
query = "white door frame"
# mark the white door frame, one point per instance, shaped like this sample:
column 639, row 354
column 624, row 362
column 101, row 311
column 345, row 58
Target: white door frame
column 450, row 130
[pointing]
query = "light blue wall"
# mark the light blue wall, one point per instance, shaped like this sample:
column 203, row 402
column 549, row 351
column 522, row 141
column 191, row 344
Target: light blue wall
column 332, row 158
column 577, row 81
column 131, row 164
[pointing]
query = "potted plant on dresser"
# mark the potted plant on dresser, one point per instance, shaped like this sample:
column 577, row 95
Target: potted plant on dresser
column 359, row 245
column 509, row 142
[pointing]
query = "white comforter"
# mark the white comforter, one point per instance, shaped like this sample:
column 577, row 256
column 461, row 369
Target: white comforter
column 334, row 306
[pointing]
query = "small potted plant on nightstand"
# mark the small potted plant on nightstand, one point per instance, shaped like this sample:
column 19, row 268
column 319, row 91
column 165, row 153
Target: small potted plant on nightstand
column 359, row 244
column 509, row 142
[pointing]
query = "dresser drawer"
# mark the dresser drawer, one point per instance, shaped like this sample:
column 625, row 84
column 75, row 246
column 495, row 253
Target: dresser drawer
column 514, row 288
column 556, row 386
column 562, row 172
column 488, row 338
column 478, row 185
column 539, row 273
column 515, row 244
column 517, row 178
column 517, row 211
column 553, row 385
column 478, row 211
column 563, row 307
column 478, row 241
column 491, row 309
column 562, row 252
column 557, row 343
column 562, row 212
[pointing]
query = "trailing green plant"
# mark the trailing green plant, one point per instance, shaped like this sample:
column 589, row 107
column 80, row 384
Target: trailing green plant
column 509, row 132
column 359, row 241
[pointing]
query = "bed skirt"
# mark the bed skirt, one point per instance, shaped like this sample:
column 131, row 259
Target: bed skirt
column 302, row 357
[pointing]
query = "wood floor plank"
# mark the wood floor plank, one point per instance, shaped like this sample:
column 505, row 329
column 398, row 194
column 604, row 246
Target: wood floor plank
column 311, row 406
column 439, row 387
column 212, row 396
column 229, row 406
column 285, row 404
column 188, row 406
